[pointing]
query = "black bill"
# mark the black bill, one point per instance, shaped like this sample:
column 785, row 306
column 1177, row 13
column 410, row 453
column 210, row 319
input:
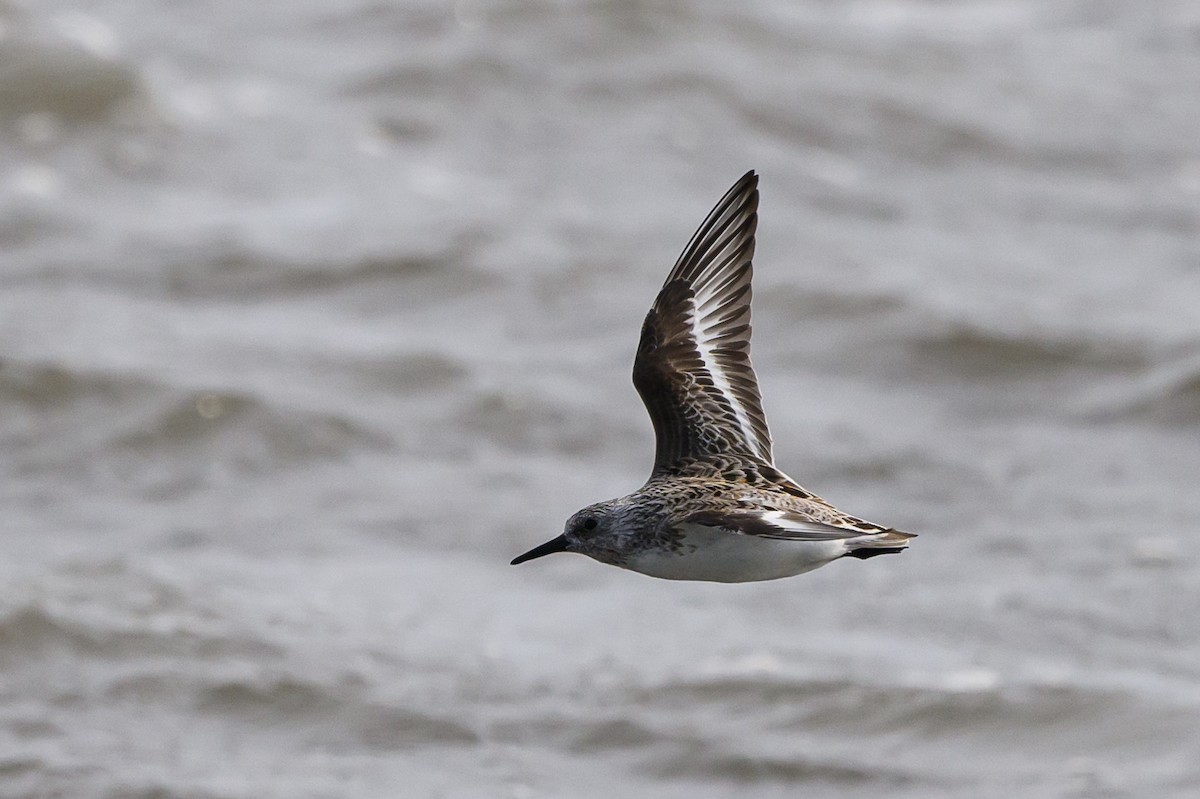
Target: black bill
column 549, row 548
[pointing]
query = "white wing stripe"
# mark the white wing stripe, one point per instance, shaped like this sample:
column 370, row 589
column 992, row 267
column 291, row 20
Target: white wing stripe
column 704, row 345
column 789, row 522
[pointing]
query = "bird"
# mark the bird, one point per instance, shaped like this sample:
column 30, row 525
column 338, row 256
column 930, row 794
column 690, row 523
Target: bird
column 715, row 507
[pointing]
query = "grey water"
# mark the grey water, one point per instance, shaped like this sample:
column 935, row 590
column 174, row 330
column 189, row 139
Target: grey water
column 314, row 314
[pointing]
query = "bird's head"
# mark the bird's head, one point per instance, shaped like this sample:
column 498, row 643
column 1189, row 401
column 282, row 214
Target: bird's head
column 591, row 531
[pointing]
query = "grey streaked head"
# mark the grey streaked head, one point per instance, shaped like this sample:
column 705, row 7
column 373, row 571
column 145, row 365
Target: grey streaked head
column 594, row 531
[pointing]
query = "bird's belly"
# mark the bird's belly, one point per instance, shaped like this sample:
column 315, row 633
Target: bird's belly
column 720, row 556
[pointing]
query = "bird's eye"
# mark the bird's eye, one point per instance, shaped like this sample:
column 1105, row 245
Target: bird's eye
column 589, row 523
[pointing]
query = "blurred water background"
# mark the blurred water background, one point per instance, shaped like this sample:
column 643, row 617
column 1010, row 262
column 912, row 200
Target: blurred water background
column 313, row 314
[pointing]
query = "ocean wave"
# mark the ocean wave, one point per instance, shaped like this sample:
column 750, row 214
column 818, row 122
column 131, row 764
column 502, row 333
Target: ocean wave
column 231, row 271
column 703, row 760
column 851, row 464
column 38, row 777
column 33, row 633
column 417, row 373
column 243, row 428
column 795, row 302
column 45, row 386
column 73, row 80
column 979, row 352
column 419, row 81
column 12, row 767
column 279, row 698
column 1168, row 395
column 133, row 415
column 384, row 727
column 956, row 704
column 527, row 421
column 891, row 333
column 591, row 733
column 151, row 789
column 340, row 714
column 608, row 734
column 132, row 626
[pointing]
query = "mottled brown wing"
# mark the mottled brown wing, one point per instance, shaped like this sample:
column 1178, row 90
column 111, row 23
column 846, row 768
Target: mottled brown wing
column 693, row 367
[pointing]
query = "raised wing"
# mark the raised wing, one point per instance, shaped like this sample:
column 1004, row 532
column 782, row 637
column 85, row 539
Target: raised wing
column 693, row 367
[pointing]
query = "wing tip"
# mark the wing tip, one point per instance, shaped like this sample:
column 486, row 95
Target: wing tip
column 710, row 285
column 746, row 184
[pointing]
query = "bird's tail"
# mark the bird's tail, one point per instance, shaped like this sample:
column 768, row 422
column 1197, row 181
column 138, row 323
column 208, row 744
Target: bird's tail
column 886, row 543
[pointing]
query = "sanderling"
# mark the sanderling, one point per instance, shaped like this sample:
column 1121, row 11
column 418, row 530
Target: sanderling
column 715, row 507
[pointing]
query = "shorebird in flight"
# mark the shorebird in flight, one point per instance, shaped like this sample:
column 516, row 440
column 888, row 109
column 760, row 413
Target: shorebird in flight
column 715, row 507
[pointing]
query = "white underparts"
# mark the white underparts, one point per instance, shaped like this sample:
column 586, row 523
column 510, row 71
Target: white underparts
column 717, row 555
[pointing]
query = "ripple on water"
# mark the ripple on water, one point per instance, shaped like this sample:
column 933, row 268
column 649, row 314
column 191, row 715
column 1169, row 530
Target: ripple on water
column 170, row 435
column 338, row 714
column 1168, row 395
column 978, row 352
column 64, row 80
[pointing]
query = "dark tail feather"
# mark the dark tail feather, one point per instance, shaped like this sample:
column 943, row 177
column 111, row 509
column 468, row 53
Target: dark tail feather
column 863, row 554
column 888, row 542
